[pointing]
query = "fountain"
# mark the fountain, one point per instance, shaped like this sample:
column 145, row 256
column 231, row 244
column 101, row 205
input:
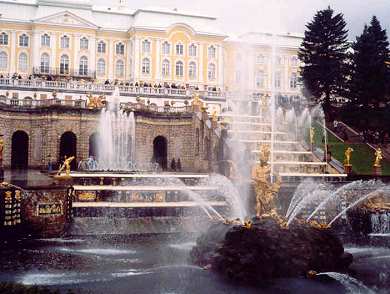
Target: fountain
column 116, row 148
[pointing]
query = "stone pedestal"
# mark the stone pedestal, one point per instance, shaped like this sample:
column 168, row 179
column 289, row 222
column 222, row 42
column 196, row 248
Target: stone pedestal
column 377, row 170
column 348, row 169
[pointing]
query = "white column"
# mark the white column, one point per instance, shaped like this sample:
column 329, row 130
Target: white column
column 200, row 63
column 136, row 60
column 12, row 59
column 128, row 58
column 220, row 66
column 76, row 57
column 35, row 45
column 53, row 50
column 110, row 61
column 92, row 53
column 158, row 61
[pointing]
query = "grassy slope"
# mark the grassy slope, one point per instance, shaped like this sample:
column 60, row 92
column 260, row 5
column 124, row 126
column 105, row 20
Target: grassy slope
column 362, row 158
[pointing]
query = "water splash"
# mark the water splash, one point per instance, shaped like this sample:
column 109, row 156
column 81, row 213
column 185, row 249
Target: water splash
column 351, row 285
column 304, row 188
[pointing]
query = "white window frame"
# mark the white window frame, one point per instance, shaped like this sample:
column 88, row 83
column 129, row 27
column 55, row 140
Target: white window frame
column 23, row 40
column 165, row 68
column 45, row 40
column 64, row 64
column 101, row 47
column 211, row 74
column 120, row 68
column 83, row 66
column 45, row 63
column 166, row 48
column 120, row 48
column 4, row 39
column 145, row 66
column 179, row 49
column 146, row 47
column 65, row 42
column 101, row 67
column 84, row 43
column 23, row 67
column 179, row 71
column 212, row 52
column 192, row 70
column 192, row 50
column 3, row 60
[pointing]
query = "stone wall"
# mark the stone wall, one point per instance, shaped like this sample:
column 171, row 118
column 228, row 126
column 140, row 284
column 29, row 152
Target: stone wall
column 192, row 137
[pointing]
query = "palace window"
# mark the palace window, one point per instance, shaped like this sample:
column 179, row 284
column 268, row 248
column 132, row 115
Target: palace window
column 146, row 66
column 64, row 65
column 211, row 52
column 293, row 81
column 120, row 69
column 23, row 64
column 45, row 63
column 101, row 47
column 83, row 43
column 101, row 67
column 179, row 69
column 179, row 49
column 3, row 39
column 294, row 60
column 192, row 50
column 278, row 80
column 165, row 68
column 211, row 72
column 64, row 42
column 166, row 48
column 260, row 79
column 23, row 40
column 83, row 66
column 146, row 47
column 45, row 40
column 120, row 49
column 260, row 59
column 3, row 60
column 192, row 70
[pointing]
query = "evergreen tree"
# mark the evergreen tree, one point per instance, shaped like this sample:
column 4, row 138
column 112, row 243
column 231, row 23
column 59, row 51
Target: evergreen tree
column 324, row 54
column 369, row 67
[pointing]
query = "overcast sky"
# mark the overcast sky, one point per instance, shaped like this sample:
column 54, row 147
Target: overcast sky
column 237, row 16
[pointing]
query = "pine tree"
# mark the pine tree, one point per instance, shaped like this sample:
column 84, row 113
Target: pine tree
column 369, row 78
column 324, row 54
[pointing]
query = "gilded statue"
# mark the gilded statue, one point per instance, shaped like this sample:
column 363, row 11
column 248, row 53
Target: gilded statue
column 264, row 189
column 214, row 116
column 66, row 166
column 348, row 154
column 264, row 102
column 1, row 149
column 378, row 157
column 312, row 134
column 196, row 101
column 95, row 102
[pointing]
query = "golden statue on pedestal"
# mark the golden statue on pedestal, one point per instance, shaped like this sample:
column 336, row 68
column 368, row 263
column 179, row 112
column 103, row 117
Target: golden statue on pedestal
column 65, row 166
column 264, row 189
column 378, row 158
column 214, row 116
column 196, row 101
column 348, row 154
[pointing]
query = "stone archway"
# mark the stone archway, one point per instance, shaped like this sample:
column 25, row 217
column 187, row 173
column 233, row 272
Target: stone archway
column 93, row 145
column 19, row 150
column 68, row 147
column 160, row 151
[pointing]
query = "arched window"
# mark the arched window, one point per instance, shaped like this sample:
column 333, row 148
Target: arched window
column 101, row 47
column 64, row 65
column 260, row 79
column 3, row 60
column 83, row 43
column 83, row 66
column 179, row 69
column 165, row 68
column 45, row 40
column 211, row 51
column 293, row 80
column 211, row 72
column 64, row 42
column 23, row 64
column 120, row 48
column 146, row 46
column 278, row 79
column 101, row 67
column 45, row 63
column 192, row 70
column 120, row 69
column 166, row 48
column 192, row 50
column 146, row 66
column 260, row 59
column 179, row 49
column 3, row 39
column 294, row 60
column 23, row 40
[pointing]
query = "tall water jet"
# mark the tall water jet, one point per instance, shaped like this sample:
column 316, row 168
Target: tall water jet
column 116, row 149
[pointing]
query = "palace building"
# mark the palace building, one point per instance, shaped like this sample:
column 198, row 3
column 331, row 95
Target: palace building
column 55, row 55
